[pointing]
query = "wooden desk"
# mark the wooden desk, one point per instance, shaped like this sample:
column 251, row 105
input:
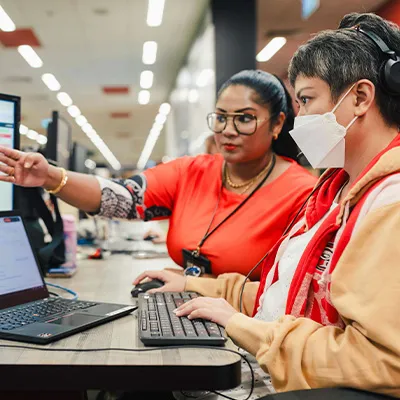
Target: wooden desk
column 111, row 281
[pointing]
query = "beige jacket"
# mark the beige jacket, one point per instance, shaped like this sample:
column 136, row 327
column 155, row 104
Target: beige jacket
column 300, row 353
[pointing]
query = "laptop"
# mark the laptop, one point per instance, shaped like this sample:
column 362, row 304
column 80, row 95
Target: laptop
column 27, row 312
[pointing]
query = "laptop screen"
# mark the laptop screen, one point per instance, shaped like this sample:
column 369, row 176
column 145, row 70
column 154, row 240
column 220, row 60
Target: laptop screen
column 18, row 267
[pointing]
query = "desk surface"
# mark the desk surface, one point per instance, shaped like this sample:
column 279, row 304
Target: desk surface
column 111, row 281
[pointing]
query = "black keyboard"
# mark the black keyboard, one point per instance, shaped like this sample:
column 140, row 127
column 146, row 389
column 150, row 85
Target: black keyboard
column 38, row 311
column 159, row 326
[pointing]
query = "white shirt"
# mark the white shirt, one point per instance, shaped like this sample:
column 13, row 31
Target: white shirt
column 275, row 297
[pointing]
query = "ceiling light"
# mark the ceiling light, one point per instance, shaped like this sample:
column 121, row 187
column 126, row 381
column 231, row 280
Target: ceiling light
column 87, row 128
column 149, row 53
column 23, row 130
column 6, row 23
column 41, row 139
column 32, row 134
column 157, row 126
column 165, row 109
column 155, row 12
column 144, row 97
column 64, row 99
column 160, row 119
column 146, row 79
column 51, row 82
column 74, row 111
column 30, row 56
column 205, row 77
column 193, row 96
column 80, row 120
column 271, row 49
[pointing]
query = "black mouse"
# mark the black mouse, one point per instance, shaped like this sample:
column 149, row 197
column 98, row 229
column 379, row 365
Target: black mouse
column 145, row 286
column 150, row 237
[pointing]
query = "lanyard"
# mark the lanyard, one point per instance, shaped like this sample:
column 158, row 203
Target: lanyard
column 196, row 252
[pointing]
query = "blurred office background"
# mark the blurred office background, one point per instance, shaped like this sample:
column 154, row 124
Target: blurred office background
column 134, row 79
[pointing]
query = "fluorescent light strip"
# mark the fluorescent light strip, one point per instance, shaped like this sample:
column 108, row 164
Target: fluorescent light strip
column 30, row 56
column 64, row 99
column 80, row 120
column 23, row 130
column 149, row 52
column 99, row 143
column 155, row 12
column 146, row 79
column 33, row 135
column 165, row 109
column 155, row 132
column 271, row 49
column 51, row 82
column 74, row 111
column 144, row 97
column 6, row 23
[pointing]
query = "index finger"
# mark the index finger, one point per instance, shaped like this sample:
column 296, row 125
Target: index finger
column 12, row 153
column 149, row 274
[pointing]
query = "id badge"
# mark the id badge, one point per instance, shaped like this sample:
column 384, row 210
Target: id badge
column 195, row 265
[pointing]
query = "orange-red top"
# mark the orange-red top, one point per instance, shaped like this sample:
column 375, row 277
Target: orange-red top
column 189, row 188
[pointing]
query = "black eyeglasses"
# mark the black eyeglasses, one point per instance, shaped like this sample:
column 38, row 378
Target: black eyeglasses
column 245, row 124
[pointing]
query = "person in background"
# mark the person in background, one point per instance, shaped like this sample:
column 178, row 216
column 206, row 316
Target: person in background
column 225, row 210
column 325, row 311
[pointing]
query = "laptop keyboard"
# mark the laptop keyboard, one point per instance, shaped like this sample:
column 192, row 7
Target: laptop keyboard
column 158, row 324
column 39, row 311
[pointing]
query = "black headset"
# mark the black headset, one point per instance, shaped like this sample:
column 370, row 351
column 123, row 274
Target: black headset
column 390, row 69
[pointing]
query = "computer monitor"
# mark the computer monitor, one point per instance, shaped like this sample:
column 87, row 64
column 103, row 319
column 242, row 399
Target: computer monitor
column 79, row 155
column 10, row 114
column 58, row 148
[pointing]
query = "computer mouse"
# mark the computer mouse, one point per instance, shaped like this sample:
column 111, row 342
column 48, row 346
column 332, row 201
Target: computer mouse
column 145, row 286
column 150, row 237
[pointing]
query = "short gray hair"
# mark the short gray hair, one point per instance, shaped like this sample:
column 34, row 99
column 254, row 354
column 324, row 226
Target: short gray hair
column 344, row 56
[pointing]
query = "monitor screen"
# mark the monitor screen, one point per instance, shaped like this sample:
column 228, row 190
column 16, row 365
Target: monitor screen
column 63, row 143
column 9, row 136
column 18, row 268
column 78, row 157
column 58, row 147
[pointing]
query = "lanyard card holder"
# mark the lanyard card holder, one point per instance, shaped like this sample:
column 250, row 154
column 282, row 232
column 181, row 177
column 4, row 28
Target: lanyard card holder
column 195, row 264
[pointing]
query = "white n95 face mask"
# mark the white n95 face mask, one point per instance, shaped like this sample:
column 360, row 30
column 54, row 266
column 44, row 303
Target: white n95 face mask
column 321, row 138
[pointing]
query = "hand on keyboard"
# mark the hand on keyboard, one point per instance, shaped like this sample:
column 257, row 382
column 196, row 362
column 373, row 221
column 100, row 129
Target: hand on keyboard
column 173, row 282
column 215, row 310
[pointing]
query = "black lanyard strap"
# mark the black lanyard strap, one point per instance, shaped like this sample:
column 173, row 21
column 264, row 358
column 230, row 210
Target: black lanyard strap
column 196, row 252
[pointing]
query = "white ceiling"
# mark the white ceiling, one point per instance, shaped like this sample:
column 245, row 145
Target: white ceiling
column 88, row 44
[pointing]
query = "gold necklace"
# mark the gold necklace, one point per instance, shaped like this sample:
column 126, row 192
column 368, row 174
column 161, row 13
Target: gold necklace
column 248, row 183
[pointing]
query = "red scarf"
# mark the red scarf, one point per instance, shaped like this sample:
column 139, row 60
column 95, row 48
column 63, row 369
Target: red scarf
column 309, row 295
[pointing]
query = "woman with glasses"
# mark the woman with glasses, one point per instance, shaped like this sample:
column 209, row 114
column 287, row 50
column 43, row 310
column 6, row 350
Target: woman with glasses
column 225, row 210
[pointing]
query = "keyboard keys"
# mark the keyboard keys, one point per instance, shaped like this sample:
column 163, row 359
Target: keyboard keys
column 157, row 319
column 39, row 310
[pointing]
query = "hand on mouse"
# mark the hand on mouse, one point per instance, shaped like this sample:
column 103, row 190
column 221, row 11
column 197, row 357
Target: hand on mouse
column 156, row 237
column 173, row 281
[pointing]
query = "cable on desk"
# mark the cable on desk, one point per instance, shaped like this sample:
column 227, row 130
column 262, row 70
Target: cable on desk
column 54, row 294
column 74, row 294
column 67, row 350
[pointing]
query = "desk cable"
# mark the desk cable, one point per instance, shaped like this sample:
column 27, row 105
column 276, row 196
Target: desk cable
column 141, row 350
column 74, row 294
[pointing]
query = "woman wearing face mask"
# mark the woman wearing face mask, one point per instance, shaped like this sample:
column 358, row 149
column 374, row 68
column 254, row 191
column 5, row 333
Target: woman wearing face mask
column 227, row 208
column 325, row 310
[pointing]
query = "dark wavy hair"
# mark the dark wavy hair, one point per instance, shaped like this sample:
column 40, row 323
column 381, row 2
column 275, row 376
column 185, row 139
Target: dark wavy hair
column 270, row 92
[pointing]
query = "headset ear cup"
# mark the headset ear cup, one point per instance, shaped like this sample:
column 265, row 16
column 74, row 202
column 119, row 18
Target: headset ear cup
column 391, row 75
